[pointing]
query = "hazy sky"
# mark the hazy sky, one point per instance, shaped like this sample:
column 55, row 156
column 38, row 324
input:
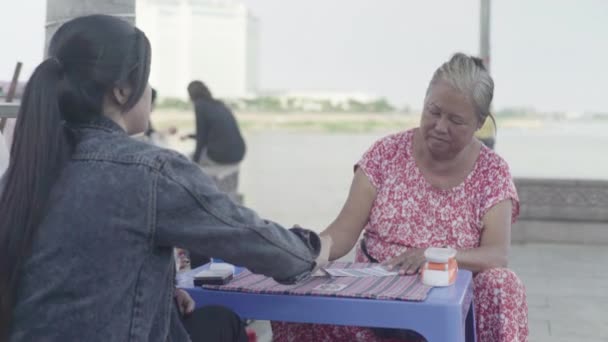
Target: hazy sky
column 548, row 54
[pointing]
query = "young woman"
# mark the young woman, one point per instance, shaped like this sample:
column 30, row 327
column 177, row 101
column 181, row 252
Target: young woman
column 89, row 216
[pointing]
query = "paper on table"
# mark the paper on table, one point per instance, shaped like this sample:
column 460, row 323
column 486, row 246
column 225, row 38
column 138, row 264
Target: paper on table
column 373, row 271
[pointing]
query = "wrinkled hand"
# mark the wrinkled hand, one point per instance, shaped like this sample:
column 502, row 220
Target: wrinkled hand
column 185, row 303
column 407, row 263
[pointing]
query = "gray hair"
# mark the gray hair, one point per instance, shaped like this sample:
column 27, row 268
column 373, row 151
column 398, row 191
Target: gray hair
column 469, row 75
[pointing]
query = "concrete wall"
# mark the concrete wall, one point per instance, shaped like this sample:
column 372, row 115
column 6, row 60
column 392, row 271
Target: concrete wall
column 562, row 211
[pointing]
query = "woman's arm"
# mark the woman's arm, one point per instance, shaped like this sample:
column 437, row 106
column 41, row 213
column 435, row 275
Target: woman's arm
column 493, row 250
column 188, row 211
column 346, row 228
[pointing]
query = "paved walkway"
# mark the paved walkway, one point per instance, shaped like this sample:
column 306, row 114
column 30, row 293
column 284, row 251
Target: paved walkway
column 567, row 287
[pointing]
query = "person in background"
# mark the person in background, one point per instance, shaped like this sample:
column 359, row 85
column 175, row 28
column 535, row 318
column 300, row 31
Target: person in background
column 158, row 138
column 89, row 216
column 435, row 186
column 150, row 131
column 218, row 137
column 219, row 148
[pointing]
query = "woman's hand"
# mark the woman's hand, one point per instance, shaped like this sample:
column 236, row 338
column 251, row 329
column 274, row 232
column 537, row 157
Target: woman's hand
column 347, row 227
column 185, row 303
column 407, row 263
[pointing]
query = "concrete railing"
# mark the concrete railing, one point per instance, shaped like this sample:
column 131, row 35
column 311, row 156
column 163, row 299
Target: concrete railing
column 566, row 211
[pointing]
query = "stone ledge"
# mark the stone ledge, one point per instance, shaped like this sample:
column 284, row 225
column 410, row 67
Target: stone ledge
column 537, row 231
column 563, row 200
column 562, row 211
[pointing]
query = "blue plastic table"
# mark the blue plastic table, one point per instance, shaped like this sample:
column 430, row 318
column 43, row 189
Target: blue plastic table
column 446, row 314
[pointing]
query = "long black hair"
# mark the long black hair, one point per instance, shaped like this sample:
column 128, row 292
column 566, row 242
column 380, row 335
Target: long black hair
column 89, row 57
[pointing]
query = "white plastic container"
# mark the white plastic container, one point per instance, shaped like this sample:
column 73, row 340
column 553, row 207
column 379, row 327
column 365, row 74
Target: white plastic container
column 440, row 268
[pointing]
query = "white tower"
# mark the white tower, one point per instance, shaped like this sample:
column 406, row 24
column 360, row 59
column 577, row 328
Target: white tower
column 215, row 41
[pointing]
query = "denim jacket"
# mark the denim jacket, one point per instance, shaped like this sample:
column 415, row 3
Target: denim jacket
column 101, row 266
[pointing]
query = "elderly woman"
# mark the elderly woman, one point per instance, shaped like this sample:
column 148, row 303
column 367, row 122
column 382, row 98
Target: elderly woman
column 435, row 185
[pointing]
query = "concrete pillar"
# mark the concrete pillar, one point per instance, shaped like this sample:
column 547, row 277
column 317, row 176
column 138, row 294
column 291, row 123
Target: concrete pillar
column 484, row 32
column 60, row 11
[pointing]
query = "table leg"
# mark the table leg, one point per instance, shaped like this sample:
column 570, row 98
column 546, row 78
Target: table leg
column 470, row 325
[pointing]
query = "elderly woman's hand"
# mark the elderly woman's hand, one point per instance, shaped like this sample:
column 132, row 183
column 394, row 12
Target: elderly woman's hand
column 408, row 262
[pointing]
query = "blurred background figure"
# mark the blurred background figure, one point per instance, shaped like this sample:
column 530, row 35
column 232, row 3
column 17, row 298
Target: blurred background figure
column 218, row 137
column 220, row 147
column 158, row 137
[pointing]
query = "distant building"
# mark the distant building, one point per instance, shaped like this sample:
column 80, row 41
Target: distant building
column 215, row 41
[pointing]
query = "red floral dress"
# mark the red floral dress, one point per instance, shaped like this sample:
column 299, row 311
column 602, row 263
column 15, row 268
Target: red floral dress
column 409, row 212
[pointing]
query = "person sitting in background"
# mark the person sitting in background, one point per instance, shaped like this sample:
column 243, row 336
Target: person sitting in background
column 89, row 216
column 158, row 138
column 218, row 137
column 150, row 130
column 435, row 186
